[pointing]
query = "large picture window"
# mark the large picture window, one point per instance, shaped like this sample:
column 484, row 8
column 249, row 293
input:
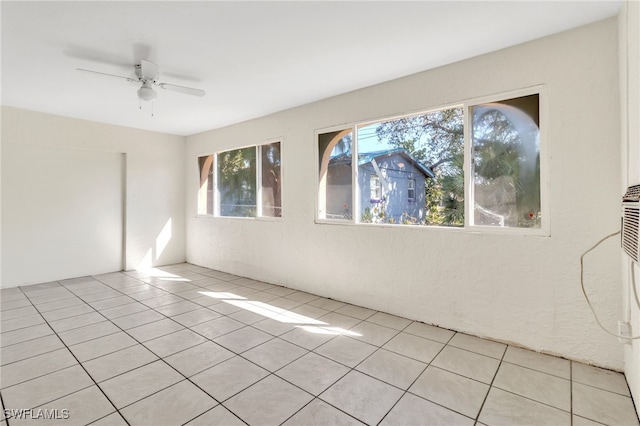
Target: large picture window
column 247, row 182
column 431, row 168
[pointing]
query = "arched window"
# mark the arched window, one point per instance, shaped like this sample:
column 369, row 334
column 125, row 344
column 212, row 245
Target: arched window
column 506, row 163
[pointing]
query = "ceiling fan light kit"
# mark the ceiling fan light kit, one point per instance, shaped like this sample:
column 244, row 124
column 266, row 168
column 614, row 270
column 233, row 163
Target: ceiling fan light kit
column 147, row 73
column 146, row 92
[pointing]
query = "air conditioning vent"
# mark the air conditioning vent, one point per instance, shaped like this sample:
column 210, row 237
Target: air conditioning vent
column 631, row 223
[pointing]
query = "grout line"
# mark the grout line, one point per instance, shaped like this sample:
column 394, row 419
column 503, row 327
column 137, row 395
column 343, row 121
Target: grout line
column 85, row 370
column 484, row 401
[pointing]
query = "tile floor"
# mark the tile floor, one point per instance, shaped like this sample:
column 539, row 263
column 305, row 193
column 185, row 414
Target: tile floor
column 189, row 345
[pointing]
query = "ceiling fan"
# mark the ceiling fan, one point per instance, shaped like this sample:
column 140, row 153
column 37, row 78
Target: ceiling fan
column 147, row 73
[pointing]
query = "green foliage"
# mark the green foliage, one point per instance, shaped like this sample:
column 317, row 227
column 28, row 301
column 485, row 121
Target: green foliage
column 436, row 139
column 237, row 182
column 375, row 215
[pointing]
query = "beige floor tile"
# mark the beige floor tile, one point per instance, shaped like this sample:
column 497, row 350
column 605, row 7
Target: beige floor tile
column 306, row 337
column 229, row 377
column 177, row 308
column 478, row 345
column 44, row 389
column 13, row 324
column 243, row 339
column 450, row 390
column 122, row 310
column 599, row 378
column 603, row 406
column 415, row 347
column 113, row 419
column 113, row 364
column 174, row 405
column 313, row 373
column 135, row 385
column 391, row 321
column 88, row 332
column 25, row 334
column 70, row 311
column 373, row 334
column 102, row 346
column 393, row 368
column 18, row 312
column 199, row 358
column 83, row 407
column 271, row 401
column 36, row 366
column 355, row 311
column 111, row 302
column 507, row 409
column 154, row 329
column 195, row 317
column 539, row 362
column 415, row 411
column 30, row 348
column 468, row 364
column 175, row 342
column 541, row 387
column 319, row 413
column 274, row 354
column 217, row 416
column 136, row 320
column 362, row 397
column 344, row 350
column 76, row 322
column 217, row 327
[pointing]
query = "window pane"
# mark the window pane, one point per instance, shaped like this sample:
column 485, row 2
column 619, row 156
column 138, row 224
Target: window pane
column 418, row 161
column 335, row 188
column 205, row 194
column 237, row 182
column 411, row 190
column 271, row 180
column 506, row 163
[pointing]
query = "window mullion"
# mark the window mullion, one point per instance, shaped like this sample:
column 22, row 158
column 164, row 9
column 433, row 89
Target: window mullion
column 259, row 180
column 216, row 190
column 355, row 193
column 467, row 167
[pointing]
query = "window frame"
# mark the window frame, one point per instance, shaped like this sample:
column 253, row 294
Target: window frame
column 378, row 188
column 545, row 226
column 410, row 187
column 216, row 193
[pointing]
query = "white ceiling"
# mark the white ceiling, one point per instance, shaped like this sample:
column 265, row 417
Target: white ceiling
column 252, row 58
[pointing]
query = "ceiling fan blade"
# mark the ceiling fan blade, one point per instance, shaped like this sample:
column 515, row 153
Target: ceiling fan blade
column 149, row 69
column 182, row 89
column 108, row 75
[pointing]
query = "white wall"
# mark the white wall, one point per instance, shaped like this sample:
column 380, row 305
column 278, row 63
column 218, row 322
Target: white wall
column 65, row 217
column 154, row 198
column 629, row 23
column 511, row 288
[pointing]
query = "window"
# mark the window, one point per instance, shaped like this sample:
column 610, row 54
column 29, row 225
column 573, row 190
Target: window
column 335, row 178
column 411, row 189
column 248, row 182
column 506, row 163
column 205, row 194
column 376, row 189
column 482, row 157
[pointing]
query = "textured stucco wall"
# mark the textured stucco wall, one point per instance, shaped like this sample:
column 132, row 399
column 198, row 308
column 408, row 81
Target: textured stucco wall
column 520, row 289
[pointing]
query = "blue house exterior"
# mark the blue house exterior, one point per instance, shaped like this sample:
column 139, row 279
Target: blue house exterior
column 391, row 185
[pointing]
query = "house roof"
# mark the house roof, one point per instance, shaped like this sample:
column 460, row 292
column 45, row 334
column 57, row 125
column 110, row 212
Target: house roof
column 368, row 157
